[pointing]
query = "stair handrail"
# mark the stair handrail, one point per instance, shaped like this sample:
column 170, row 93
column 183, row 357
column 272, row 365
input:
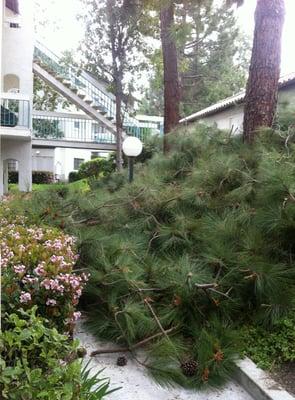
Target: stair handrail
column 99, row 97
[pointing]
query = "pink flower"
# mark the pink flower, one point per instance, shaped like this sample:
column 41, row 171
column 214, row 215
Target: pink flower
column 25, row 297
column 76, row 315
column 19, row 269
column 29, row 279
column 51, row 302
column 39, row 270
column 21, row 247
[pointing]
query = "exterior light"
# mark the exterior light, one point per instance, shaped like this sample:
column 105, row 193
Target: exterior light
column 132, row 147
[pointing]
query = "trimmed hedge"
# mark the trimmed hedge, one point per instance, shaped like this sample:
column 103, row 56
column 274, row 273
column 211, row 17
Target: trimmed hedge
column 13, row 176
column 74, row 176
column 42, row 177
column 37, row 177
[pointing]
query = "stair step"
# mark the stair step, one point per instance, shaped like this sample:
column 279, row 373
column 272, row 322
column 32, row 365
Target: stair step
column 81, row 95
column 74, row 89
column 67, row 83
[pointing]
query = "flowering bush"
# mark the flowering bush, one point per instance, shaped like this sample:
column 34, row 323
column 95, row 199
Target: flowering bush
column 37, row 268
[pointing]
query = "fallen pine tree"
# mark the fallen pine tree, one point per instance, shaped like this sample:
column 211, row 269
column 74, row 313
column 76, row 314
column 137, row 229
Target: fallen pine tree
column 201, row 243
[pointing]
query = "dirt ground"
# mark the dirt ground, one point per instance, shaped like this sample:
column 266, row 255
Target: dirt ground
column 285, row 375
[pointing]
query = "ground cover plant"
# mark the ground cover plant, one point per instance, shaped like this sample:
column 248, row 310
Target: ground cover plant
column 199, row 245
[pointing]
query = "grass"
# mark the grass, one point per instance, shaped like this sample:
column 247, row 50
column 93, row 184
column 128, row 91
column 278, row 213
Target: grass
column 80, row 185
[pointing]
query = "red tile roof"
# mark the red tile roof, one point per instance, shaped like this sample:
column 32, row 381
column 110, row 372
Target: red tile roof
column 13, row 5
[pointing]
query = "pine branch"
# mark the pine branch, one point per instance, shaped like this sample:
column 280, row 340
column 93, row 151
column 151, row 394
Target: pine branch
column 133, row 347
column 205, row 286
column 90, row 221
column 146, row 301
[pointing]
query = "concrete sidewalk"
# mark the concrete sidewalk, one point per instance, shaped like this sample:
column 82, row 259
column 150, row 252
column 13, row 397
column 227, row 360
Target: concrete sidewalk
column 136, row 384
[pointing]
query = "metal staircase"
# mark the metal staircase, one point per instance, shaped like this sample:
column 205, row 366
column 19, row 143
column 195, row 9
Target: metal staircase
column 81, row 89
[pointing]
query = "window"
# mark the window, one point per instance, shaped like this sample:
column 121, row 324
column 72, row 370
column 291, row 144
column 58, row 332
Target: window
column 77, row 124
column 78, row 162
column 14, row 25
column 94, row 154
column 12, row 165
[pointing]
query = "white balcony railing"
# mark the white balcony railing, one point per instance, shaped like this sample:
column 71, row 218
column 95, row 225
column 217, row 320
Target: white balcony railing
column 15, row 110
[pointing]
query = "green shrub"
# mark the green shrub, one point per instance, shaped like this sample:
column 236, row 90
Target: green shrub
column 13, row 177
column 74, row 176
column 269, row 347
column 38, row 362
column 96, row 167
column 38, row 177
column 33, row 360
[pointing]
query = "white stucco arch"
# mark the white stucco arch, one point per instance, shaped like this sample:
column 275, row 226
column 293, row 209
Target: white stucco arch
column 11, row 83
column 5, row 173
column 21, row 151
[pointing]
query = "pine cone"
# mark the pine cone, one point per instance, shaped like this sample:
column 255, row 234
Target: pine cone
column 189, row 367
column 121, row 361
column 81, row 352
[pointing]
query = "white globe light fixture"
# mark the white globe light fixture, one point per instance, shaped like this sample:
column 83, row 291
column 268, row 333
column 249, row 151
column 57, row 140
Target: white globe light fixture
column 132, row 147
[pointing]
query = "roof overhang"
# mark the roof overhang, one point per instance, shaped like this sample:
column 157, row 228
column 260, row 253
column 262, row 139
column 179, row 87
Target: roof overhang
column 12, row 5
column 232, row 101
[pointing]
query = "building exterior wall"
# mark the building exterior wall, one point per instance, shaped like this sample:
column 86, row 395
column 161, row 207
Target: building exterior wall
column 64, row 161
column 2, row 10
column 232, row 118
column 43, row 159
column 18, row 47
column 16, row 87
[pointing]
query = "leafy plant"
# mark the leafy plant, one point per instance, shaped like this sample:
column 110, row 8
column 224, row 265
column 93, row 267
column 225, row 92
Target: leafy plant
column 39, row 363
column 33, row 360
column 92, row 386
column 270, row 347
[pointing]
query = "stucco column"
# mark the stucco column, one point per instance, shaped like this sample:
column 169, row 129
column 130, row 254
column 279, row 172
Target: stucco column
column 5, row 176
column 1, row 40
column 25, row 168
column 1, row 171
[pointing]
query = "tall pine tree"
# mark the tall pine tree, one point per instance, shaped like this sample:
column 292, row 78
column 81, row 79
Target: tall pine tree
column 262, row 87
column 212, row 57
column 172, row 91
column 112, row 49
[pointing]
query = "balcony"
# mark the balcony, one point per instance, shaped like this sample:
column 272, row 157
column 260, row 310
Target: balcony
column 71, row 128
column 15, row 115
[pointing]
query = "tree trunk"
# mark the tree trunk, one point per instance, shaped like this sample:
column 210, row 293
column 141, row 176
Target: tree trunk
column 116, row 48
column 262, row 86
column 119, row 125
column 171, row 78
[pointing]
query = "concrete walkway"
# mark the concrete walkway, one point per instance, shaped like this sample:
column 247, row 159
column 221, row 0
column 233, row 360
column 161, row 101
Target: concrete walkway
column 136, row 384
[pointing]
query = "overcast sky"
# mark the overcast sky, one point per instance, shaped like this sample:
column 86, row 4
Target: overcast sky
column 70, row 32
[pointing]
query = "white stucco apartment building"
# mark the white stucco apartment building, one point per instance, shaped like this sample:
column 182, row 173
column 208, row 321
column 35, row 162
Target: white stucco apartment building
column 16, row 90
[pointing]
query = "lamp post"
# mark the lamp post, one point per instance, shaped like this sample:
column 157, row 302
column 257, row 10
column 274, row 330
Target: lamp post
column 132, row 147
